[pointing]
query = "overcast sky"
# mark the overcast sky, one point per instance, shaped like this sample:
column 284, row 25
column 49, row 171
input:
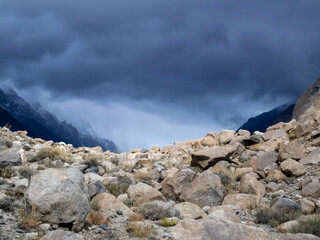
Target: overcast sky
column 147, row 72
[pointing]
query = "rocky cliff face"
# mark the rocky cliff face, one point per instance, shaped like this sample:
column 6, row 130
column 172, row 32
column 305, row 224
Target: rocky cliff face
column 228, row 185
column 307, row 108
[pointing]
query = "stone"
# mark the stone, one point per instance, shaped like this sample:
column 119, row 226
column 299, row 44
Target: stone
column 157, row 210
column 8, row 159
column 313, row 158
column 312, row 188
column 141, row 193
column 284, row 227
column 273, row 134
column 212, row 139
column 205, row 190
column 209, row 156
column 61, row 235
column 283, row 204
column 242, row 201
column 272, row 187
column 292, row 168
column 95, row 188
column 59, row 196
column 264, row 160
column 215, row 230
column 225, row 136
column 307, row 206
column 190, row 210
column 225, row 216
column 239, row 172
column 108, row 205
column 92, row 177
column 275, row 175
column 251, row 185
column 292, row 150
column 172, row 185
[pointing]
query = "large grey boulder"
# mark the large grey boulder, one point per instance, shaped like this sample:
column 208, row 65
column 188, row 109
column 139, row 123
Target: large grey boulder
column 59, row 196
column 61, row 235
column 8, row 159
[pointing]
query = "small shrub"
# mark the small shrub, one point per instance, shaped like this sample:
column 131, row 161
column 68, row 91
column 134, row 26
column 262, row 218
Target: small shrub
column 6, row 204
column 91, row 160
column 6, row 173
column 116, row 189
column 135, row 217
column 128, row 202
column 26, row 172
column 139, row 230
column 27, row 221
column 275, row 218
column 96, row 218
column 41, row 168
column 95, row 205
column 154, row 211
column 53, row 154
column 292, row 136
column 169, row 222
column 311, row 225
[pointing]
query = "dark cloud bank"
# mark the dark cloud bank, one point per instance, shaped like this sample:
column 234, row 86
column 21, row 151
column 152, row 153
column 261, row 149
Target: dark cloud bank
column 147, row 72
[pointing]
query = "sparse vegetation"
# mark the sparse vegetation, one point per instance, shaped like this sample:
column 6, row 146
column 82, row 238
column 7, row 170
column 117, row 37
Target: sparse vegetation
column 6, row 204
column 140, row 230
column 26, row 172
column 169, row 222
column 154, row 211
column 275, row 218
column 310, row 225
column 41, row 168
column 7, row 173
column 52, row 153
column 27, row 220
column 96, row 218
column 91, row 161
column 135, row 217
column 95, row 205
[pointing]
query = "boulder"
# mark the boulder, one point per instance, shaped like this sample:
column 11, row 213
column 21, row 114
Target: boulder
column 274, row 134
column 190, row 210
column 284, row 227
column 242, row 201
column 292, row 168
column 215, row 230
column 313, row 158
column 172, row 185
column 205, row 190
column 264, row 160
column 225, row 136
column 311, row 188
column 95, row 188
column 284, row 204
column 209, row 156
column 141, row 193
column 251, row 185
column 108, row 205
column 61, row 235
column 292, row 150
column 59, row 196
column 210, row 140
column 307, row 206
column 298, row 236
column 8, row 159
column 274, row 175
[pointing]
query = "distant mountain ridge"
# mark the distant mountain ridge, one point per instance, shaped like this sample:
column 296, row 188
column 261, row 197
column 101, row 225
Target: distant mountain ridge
column 261, row 122
column 42, row 124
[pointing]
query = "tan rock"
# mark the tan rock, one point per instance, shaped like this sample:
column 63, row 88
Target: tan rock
column 264, row 160
column 205, row 190
column 312, row 188
column 142, row 192
column 275, row 175
column 225, row 216
column 293, row 150
column 226, row 136
column 190, row 210
column 210, row 156
column 62, row 235
column 172, row 185
column 284, row 227
column 251, row 185
column 298, row 236
column 273, row 134
column 239, row 172
column 307, row 206
column 216, row 230
column 292, row 168
column 242, row 201
column 108, row 205
column 313, row 158
column 210, row 140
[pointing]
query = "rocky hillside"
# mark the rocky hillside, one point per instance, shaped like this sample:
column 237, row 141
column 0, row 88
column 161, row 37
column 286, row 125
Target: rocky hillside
column 39, row 123
column 228, row 185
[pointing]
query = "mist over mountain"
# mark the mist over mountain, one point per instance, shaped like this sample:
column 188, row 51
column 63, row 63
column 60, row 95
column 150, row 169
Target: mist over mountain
column 40, row 123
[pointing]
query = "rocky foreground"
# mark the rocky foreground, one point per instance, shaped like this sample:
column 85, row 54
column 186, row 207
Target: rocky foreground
column 230, row 185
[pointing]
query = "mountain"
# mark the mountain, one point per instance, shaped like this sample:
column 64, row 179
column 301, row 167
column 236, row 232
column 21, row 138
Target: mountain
column 261, row 122
column 39, row 123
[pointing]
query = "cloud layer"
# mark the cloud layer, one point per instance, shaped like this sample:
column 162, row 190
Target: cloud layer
column 165, row 64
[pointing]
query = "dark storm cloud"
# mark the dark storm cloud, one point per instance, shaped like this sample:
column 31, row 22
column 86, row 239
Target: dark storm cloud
column 185, row 53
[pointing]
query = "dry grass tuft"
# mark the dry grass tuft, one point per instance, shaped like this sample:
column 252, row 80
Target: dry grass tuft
column 135, row 217
column 96, row 218
column 139, row 230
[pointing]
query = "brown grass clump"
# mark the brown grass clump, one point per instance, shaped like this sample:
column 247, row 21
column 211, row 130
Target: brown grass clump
column 96, row 218
column 139, row 230
column 6, row 173
column 135, row 217
column 52, row 153
column 27, row 221
column 116, row 189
